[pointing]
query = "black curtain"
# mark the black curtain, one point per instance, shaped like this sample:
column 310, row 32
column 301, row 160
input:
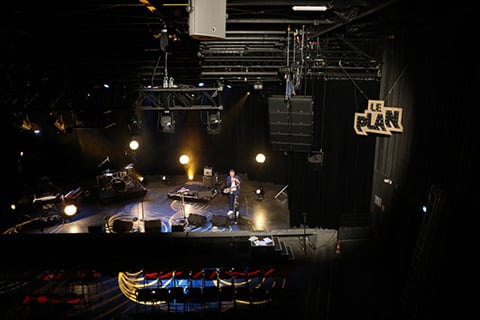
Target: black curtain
column 320, row 194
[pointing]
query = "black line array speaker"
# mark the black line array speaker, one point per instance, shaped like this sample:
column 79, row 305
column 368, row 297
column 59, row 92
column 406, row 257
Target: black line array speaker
column 291, row 123
column 207, row 19
column 220, row 221
column 153, row 226
column 197, row 220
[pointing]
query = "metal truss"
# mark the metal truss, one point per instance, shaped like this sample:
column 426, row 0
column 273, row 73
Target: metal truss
column 180, row 98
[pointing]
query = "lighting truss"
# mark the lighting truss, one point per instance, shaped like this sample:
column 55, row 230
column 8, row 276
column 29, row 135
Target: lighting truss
column 181, row 98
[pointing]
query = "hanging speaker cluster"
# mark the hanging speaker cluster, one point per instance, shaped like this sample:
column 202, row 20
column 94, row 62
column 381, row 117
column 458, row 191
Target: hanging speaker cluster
column 291, row 123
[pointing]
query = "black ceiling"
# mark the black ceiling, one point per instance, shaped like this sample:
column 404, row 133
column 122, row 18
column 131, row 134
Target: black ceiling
column 70, row 45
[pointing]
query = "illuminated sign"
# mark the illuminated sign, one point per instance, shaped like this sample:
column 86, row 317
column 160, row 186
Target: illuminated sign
column 378, row 119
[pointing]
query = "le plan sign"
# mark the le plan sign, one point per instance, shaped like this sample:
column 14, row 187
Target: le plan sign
column 378, row 119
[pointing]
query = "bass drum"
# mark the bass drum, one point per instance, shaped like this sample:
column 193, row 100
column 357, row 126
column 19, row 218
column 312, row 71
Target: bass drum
column 118, row 185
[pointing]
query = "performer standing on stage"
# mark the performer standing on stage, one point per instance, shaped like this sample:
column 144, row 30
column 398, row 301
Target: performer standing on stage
column 233, row 192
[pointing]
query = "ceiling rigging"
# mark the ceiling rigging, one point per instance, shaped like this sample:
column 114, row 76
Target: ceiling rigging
column 55, row 51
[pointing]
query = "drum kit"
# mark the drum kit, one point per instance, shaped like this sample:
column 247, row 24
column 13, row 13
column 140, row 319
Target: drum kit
column 117, row 180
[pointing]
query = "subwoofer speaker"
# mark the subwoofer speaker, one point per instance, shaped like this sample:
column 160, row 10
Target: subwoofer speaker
column 153, row 226
column 197, row 220
column 122, row 226
column 207, row 182
column 178, row 228
column 95, row 229
column 220, row 221
column 207, row 19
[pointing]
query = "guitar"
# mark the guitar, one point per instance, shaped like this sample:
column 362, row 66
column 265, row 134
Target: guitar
column 229, row 190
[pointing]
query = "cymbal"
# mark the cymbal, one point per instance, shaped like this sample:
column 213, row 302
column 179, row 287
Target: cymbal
column 108, row 172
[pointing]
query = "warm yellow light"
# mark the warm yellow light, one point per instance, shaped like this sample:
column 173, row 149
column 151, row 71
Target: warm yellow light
column 184, row 159
column 133, row 145
column 260, row 158
column 70, row 210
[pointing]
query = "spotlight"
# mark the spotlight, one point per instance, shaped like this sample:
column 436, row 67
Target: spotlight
column 260, row 158
column 164, row 179
column 260, row 192
column 26, row 124
column 214, row 124
column 70, row 210
column 134, row 125
column 59, row 123
column 70, row 201
column 167, row 122
column 133, row 145
column 184, row 159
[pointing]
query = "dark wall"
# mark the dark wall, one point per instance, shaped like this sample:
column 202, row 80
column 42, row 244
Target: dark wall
column 436, row 152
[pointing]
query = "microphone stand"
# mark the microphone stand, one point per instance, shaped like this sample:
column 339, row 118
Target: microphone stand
column 305, row 233
column 183, row 207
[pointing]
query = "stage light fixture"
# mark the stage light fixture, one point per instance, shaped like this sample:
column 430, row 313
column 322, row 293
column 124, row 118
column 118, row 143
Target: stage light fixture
column 167, row 121
column 59, row 123
column 260, row 192
column 70, row 210
column 133, row 145
column 164, row 179
column 258, row 85
column 25, row 123
column 184, row 159
column 134, row 125
column 260, row 158
column 309, row 8
column 214, row 124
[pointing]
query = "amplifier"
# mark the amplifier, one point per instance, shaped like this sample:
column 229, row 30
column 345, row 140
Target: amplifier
column 220, row 221
column 208, row 182
column 197, row 220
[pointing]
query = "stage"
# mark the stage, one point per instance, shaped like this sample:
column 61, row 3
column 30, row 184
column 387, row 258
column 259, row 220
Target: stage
column 163, row 205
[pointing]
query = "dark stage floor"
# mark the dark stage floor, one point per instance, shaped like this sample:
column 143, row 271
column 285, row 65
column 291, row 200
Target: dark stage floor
column 165, row 204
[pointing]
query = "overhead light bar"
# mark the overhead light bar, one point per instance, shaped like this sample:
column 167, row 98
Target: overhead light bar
column 309, row 8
